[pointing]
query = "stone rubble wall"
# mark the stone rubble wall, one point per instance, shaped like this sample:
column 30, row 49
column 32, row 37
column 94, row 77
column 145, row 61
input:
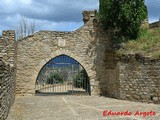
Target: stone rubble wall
column 7, row 72
column 155, row 25
column 130, row 77
column 109, row 76
column 105, row 62
column 7, row 47
column 140, row 80
column 7, row 88
column 35, row 51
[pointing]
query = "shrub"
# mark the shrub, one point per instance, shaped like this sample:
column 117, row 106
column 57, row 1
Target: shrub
column 54, row 78
column 80, row 79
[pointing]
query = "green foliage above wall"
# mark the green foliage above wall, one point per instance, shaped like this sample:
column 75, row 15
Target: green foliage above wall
column 123, row 16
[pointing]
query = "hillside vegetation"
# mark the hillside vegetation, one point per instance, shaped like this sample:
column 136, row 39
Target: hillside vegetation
column 148, row 44
column 125, row 19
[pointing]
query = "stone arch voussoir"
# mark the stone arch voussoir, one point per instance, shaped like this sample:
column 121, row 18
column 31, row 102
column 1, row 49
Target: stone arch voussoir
column 81, row 60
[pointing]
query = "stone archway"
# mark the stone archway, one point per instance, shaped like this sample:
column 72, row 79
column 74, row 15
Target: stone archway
column 35, row 51
column 62, row 75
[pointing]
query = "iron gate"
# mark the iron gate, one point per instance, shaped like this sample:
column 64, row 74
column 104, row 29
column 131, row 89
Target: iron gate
column 63, row 75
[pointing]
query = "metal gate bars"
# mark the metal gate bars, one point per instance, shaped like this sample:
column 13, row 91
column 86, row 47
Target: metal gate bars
column 62, row 75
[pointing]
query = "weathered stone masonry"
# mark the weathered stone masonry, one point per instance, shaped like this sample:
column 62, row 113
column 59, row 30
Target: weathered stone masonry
column 7, row 47
column 140, row 79
column 130, row 77
column 35, row 51
column 7, row 89
column 7, row 73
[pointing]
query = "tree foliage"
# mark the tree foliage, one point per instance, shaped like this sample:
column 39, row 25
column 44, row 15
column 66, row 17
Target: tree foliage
column 80, row 79
column 124, row 16
column 54, row 78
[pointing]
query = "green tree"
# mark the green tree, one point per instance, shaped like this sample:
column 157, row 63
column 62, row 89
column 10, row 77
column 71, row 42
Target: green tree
column 80, row 79
column 54, row 78
column 123, row 16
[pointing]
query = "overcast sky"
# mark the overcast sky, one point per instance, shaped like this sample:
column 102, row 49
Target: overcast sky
column 61, row 15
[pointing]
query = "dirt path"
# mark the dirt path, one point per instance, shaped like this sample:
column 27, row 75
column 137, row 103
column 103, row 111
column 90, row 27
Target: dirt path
column 78, row 108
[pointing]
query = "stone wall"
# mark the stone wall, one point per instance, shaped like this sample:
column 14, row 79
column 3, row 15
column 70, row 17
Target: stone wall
column 105, row 63
column 7, row 46
column 7, row 88
column 130, row 77
column 155, row 25
column 7, row 72
column 139, row 79
column 35, row 51
column 109, row 75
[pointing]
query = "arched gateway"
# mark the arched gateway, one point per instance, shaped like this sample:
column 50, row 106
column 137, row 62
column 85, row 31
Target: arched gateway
column 62, row 74
column 59, row 62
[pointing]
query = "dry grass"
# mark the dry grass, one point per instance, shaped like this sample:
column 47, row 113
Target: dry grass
column 147, row 44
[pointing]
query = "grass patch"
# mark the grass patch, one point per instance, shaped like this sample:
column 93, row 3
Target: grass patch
column 148, row 44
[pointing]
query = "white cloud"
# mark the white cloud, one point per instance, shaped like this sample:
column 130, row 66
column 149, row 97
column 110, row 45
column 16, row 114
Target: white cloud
column 65, row 15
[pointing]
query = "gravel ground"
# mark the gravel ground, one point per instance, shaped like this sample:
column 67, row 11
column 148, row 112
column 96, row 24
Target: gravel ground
column 72, row 107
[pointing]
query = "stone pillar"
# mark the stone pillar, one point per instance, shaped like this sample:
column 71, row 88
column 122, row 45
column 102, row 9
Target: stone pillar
column 8, row 52
column 88, row 16
column 90, row 27
column 7, row 72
